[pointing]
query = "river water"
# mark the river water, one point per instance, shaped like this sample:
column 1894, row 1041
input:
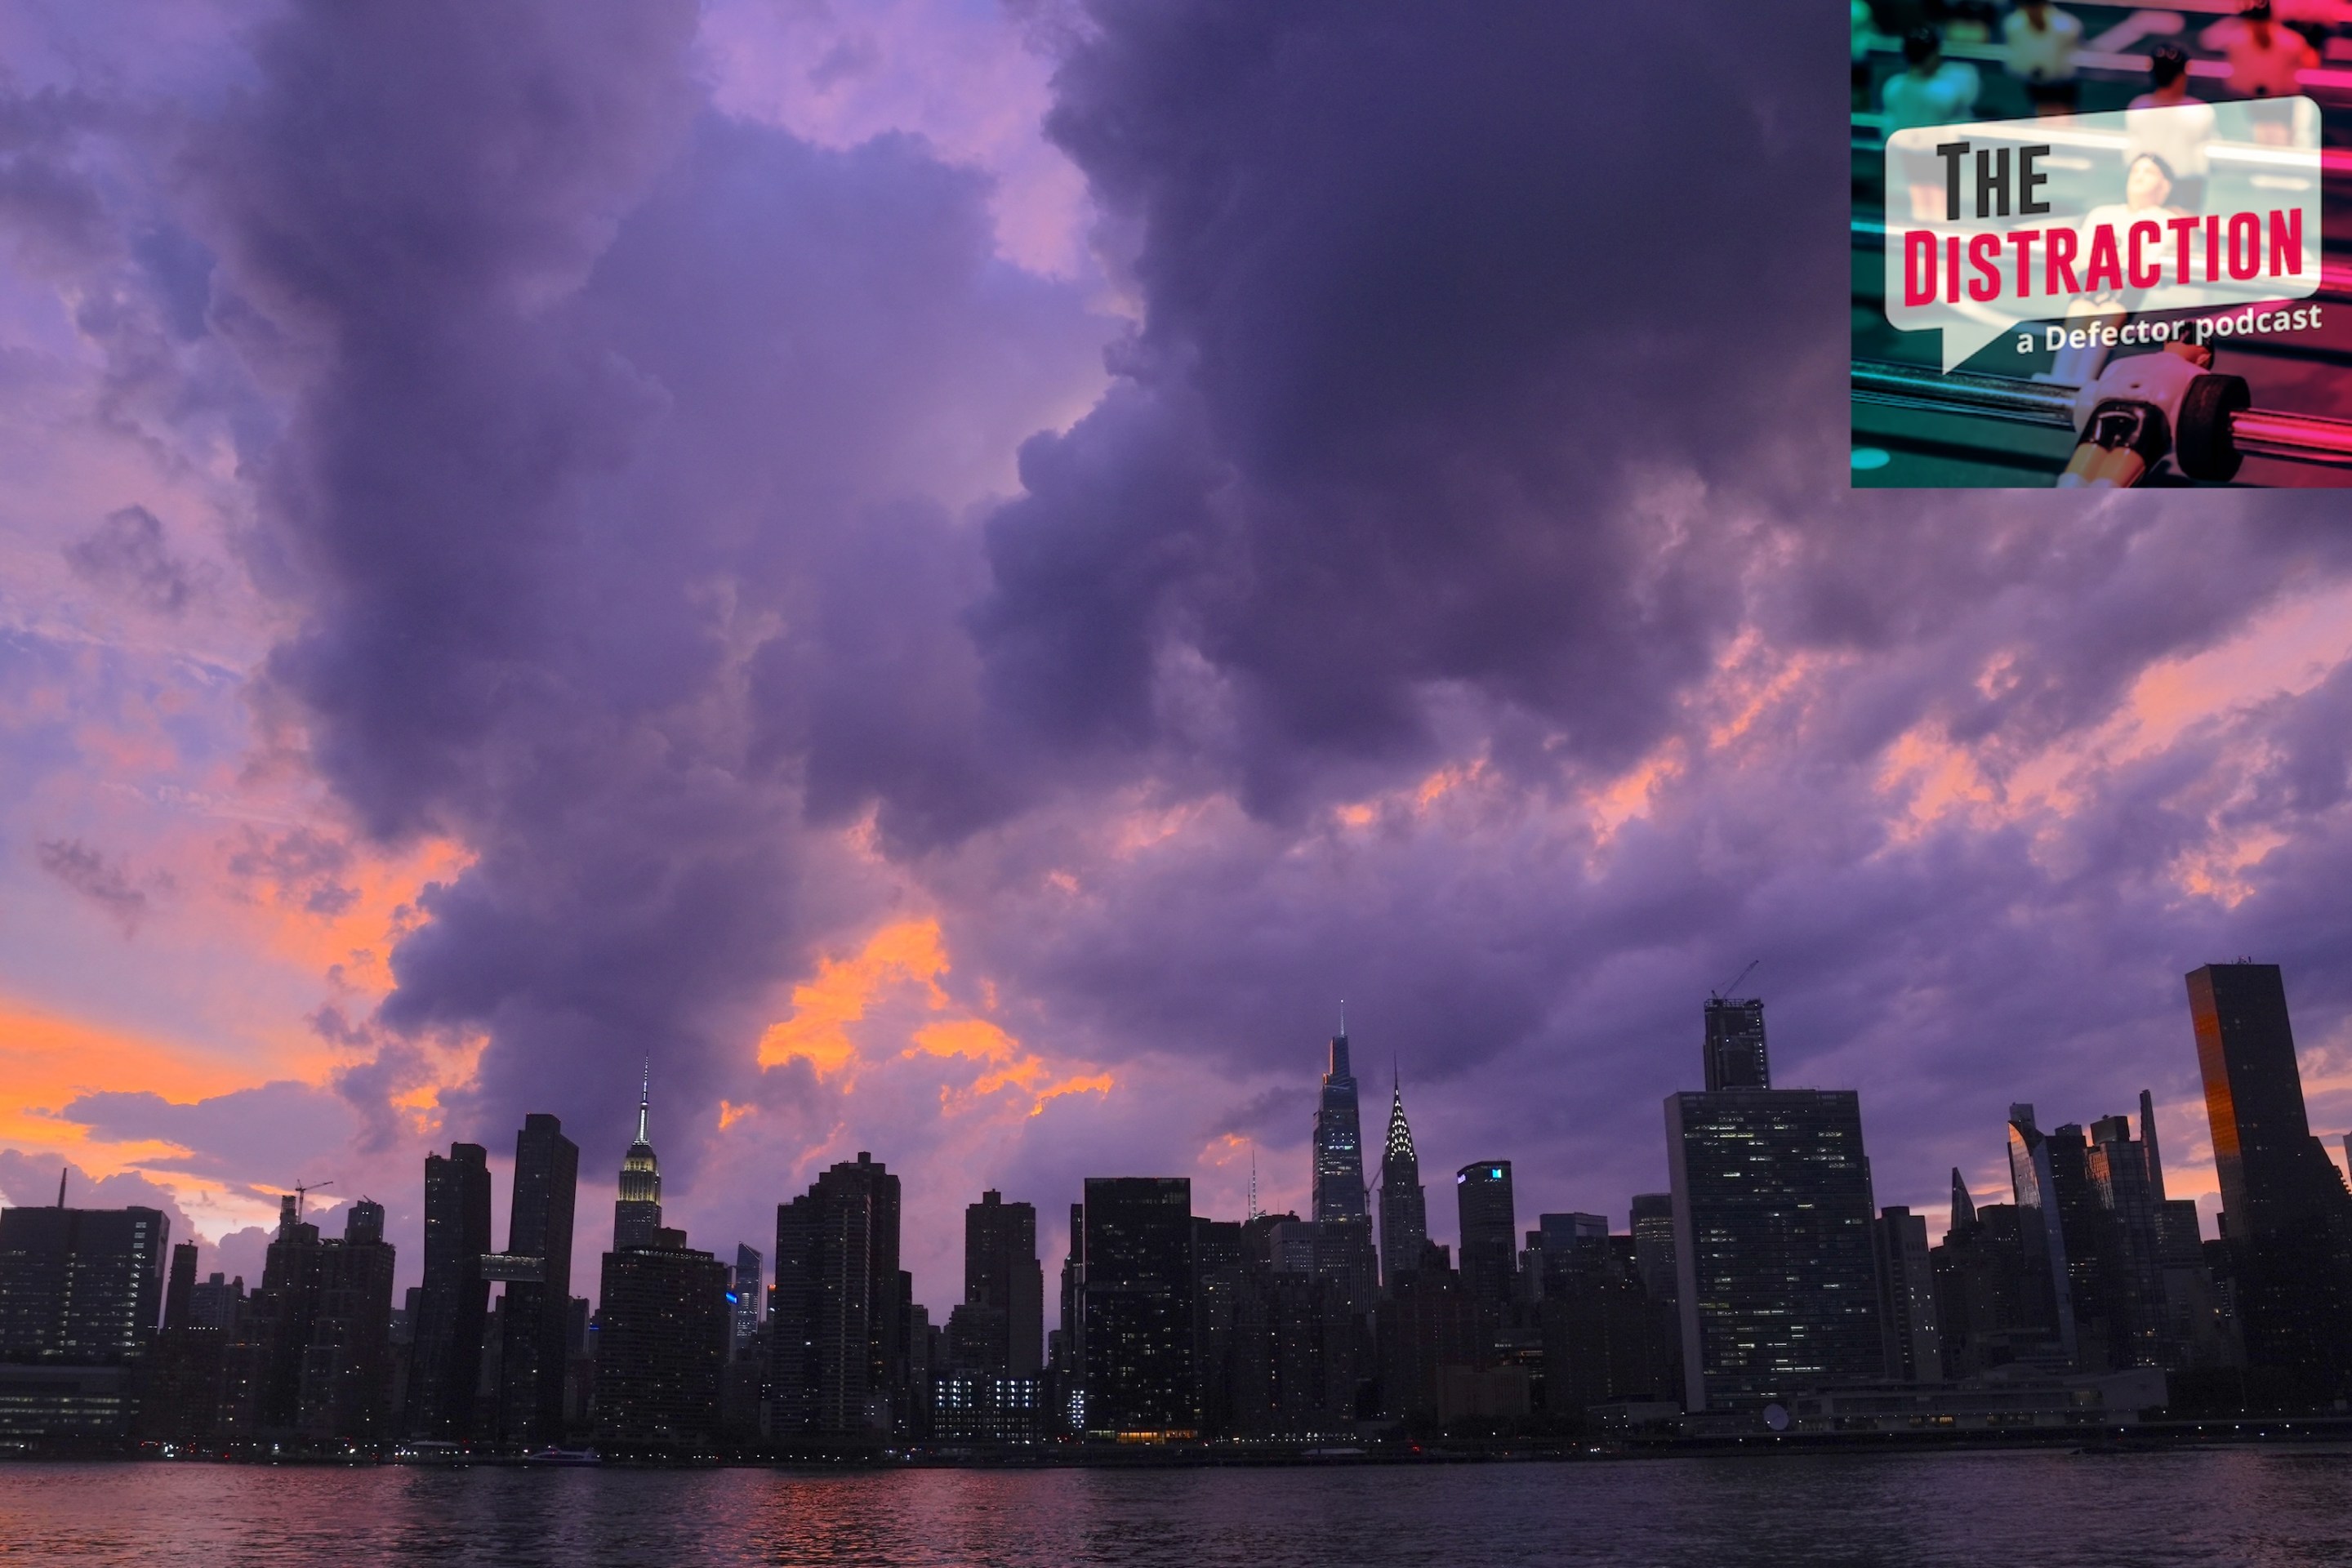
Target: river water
column 2241, row 1506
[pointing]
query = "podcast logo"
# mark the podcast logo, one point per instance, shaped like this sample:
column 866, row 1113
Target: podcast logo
column 2104, row 225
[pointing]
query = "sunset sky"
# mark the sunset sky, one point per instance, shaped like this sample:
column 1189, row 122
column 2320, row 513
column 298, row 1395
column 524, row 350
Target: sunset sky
column 957, row 573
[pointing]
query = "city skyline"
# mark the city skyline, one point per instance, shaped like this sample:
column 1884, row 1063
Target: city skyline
column 1274, row 1194
column 886, row 591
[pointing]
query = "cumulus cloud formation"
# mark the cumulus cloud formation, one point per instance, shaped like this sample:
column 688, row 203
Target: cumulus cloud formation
column 926, row 711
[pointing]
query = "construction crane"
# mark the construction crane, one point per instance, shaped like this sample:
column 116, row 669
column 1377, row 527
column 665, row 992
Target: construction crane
column 302, row 1194
column 1724, row 994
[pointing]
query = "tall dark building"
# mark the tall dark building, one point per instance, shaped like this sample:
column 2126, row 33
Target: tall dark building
column 1342, row 1240
column 1136, row 1286
column 1490, row 1250
column 1993, row 1303
column 445, row 1357
column 1906, row 1293
column 1653, row 1243
column 1004, row 1288
column 2286, row 1215
column 80, row 1286
column 180, row 1403
column 533, row 1328
column 79, row 1292
column 749, row 1271
column 345, row 1390
column 838, row 1351
column 1339, row 1175
column 662, row 1326
column 1778, row 1286
column 2049, row 1275
column 2130, row 1247
column 637, row 1213
column 282, row 1312
column 1404, row 1203
column 1735, row 1043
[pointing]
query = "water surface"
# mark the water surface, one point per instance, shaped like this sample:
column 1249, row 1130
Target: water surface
column 2245, row 1506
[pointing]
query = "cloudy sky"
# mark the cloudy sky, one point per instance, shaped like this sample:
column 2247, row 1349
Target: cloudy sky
column 957, row 573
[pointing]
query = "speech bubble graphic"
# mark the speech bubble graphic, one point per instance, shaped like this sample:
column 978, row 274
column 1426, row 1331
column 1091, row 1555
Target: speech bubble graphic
column 2092, row 219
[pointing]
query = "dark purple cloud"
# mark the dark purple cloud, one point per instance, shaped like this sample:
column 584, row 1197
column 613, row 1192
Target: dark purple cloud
column 107, row 883
column 126, row 555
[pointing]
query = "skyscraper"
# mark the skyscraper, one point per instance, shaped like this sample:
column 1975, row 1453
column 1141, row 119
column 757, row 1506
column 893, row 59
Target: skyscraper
column 1404, row 1203
column 1906, row 1291
column 345, row 1381
column 1136, row 1302
column 445, row 1361
column 2286, row 1215
column 1339, row 1178
column 662, row 1333
column 837, row 1322
column 2131, row 1246
column 532, row 1315
column 637, row 1213
column 1653, row 1243
column 1735, row 1043
column 1778, row 1287
column 1003, row 1286
column 78, row 1292
column 1490, row 1251
column 2041, row 1228
column 749, row 1273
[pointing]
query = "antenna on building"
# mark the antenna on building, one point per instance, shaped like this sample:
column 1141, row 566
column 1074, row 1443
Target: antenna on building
column 61, row 1185
column 1253, row 1197
column 645, row 1098
column 1724, row 994
column 1343, row 1017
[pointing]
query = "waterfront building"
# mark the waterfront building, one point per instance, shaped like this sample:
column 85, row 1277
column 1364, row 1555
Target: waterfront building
column 662, row 1329
column 2285, row 1213
column 534, row 1310
column 445, row 1358
column 80, row 1291
column 1136, row 1290
column 838, row 1351
column 344, row 1387
column 1341, row 1239
column 1776, row 1281
column 2042, row 1232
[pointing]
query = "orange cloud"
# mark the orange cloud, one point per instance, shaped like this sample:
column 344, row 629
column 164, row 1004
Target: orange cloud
column 47, row 1060
column 911, row 955
column 910, row 952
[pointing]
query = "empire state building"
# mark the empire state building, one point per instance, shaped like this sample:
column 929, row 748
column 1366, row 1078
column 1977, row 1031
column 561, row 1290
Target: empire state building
column 637, row 1215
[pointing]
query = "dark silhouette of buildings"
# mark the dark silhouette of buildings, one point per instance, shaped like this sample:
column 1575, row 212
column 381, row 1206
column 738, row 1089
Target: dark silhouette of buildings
column 1136, row 1299
column 534, row 1332
column 637, row 1213
column 1736, row 1057
column 2285, row 1213
column 1404, row 1203
column 2048, row 1274
column 1773, row 1244
column 839, row 1315
column 663, row 1325
column 444, row 1362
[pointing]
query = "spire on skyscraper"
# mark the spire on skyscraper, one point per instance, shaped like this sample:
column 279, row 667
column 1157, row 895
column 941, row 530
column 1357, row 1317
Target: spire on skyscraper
column 1964, row 1207
column 1400, row 1143
column 645, row 1098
